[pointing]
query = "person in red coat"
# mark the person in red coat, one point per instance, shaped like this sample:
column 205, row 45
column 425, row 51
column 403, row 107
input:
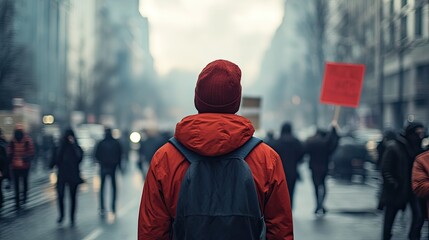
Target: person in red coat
column 20, row 153
column 420, row 177
column 216, row 130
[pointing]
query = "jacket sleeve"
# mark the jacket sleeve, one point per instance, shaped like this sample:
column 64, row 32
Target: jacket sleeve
column 154, row 220
column 420, row 178
column 388, row 163
column 278, row 212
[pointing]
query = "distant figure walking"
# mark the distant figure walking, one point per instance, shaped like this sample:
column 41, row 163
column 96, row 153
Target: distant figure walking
column 291, row 152
column 148, row 147
column 319, row 148
column 4, row 166
column 67, row 160
column 108, row 153
column 20, row 154
column 396, row 168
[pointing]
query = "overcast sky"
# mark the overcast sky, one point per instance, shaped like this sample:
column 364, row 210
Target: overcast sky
column 188, row 34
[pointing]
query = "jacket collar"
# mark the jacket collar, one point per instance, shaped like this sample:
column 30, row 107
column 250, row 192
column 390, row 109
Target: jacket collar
column 213, row 134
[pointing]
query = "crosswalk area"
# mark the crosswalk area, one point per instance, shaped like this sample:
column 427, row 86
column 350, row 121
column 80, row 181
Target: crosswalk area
column 41, row 188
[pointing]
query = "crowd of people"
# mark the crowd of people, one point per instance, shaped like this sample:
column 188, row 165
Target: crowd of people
column 213, row 153
column 18, row 155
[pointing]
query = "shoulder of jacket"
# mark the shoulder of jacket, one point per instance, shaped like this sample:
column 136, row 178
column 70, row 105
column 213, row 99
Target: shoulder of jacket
column 264, row 154
column 423, row 156
column 165, row 152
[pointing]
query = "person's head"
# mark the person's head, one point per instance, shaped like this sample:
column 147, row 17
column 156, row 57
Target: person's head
column 270, row 134
column 218, row 89
column 389, row 135
column 19, row 132
column 69, row 136
column 108, row 133
column 286, row 128
column 414, row 132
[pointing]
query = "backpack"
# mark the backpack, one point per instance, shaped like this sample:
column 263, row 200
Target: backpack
column 218, row 198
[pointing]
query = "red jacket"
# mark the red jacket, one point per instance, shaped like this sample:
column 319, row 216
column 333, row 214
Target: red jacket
column 213, row 134
column 19, row 151
column 420, row 177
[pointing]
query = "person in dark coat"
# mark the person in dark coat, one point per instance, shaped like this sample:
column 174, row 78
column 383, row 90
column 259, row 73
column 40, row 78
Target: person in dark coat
column 388, row 135
column 148, row 147
column 108, row 154
column 291, row 152
column 67, row 160
column 396, row 168
column 319, row 149
column 4, row 166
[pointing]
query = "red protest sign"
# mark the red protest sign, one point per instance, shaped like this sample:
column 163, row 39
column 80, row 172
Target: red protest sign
column 342, row 84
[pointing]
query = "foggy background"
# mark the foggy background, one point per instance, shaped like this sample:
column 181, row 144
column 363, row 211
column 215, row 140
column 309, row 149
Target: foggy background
column 126, row 63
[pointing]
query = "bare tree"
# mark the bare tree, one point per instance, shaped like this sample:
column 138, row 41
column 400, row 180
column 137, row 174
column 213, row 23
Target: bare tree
column 15, row 67
column 314, row 31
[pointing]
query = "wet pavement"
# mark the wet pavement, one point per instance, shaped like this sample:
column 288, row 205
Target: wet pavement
column 351, row 215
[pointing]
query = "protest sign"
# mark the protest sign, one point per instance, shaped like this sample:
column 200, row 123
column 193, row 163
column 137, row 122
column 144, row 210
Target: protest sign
column 342, row 84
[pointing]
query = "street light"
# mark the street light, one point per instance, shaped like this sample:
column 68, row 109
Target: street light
column 48, row 119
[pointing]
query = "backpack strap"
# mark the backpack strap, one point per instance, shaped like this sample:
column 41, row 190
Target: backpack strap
column 245, row 149
column 189, row 155
column 192, row 157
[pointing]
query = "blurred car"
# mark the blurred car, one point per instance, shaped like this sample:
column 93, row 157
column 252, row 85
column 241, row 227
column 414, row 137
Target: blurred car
column 355, row 151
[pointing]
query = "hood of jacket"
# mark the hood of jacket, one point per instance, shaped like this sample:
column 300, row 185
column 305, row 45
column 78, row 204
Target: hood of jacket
column 213, row 134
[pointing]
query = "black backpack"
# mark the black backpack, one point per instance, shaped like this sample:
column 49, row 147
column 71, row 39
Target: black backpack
column 218, row 198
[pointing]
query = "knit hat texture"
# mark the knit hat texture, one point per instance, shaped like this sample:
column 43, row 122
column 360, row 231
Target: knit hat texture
column 218, row 88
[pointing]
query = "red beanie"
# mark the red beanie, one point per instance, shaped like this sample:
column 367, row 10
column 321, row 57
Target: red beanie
column 218, row 88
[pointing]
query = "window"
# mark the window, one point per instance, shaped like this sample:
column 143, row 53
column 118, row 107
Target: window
column 392, row 8
column 423, row 74
column 403, row 3
column 392, row 33
column 419, row 21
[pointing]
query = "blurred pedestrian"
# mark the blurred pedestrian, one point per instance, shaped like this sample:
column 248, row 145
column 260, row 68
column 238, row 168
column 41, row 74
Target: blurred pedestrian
column 4, row 166
column 388, row 135
column 256, row 182
column 20, row 153
column 148, row 146
column 126, row 148
column 291, row 152
column 319, row 149
column 269, row 138
column 48, row 145
column 108, row 154
column 67, row 160
column 420, row 178
column 396, row 168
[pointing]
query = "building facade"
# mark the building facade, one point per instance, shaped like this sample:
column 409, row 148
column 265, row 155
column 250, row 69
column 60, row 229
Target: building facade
column 42, row 27
column 405, row 57
column 391, row 38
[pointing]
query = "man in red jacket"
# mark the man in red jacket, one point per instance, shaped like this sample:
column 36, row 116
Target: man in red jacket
column 216, row 130
column 20, row 153
column 420, row 177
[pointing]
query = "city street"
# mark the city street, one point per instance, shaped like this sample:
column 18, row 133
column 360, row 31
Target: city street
column 351, row 212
